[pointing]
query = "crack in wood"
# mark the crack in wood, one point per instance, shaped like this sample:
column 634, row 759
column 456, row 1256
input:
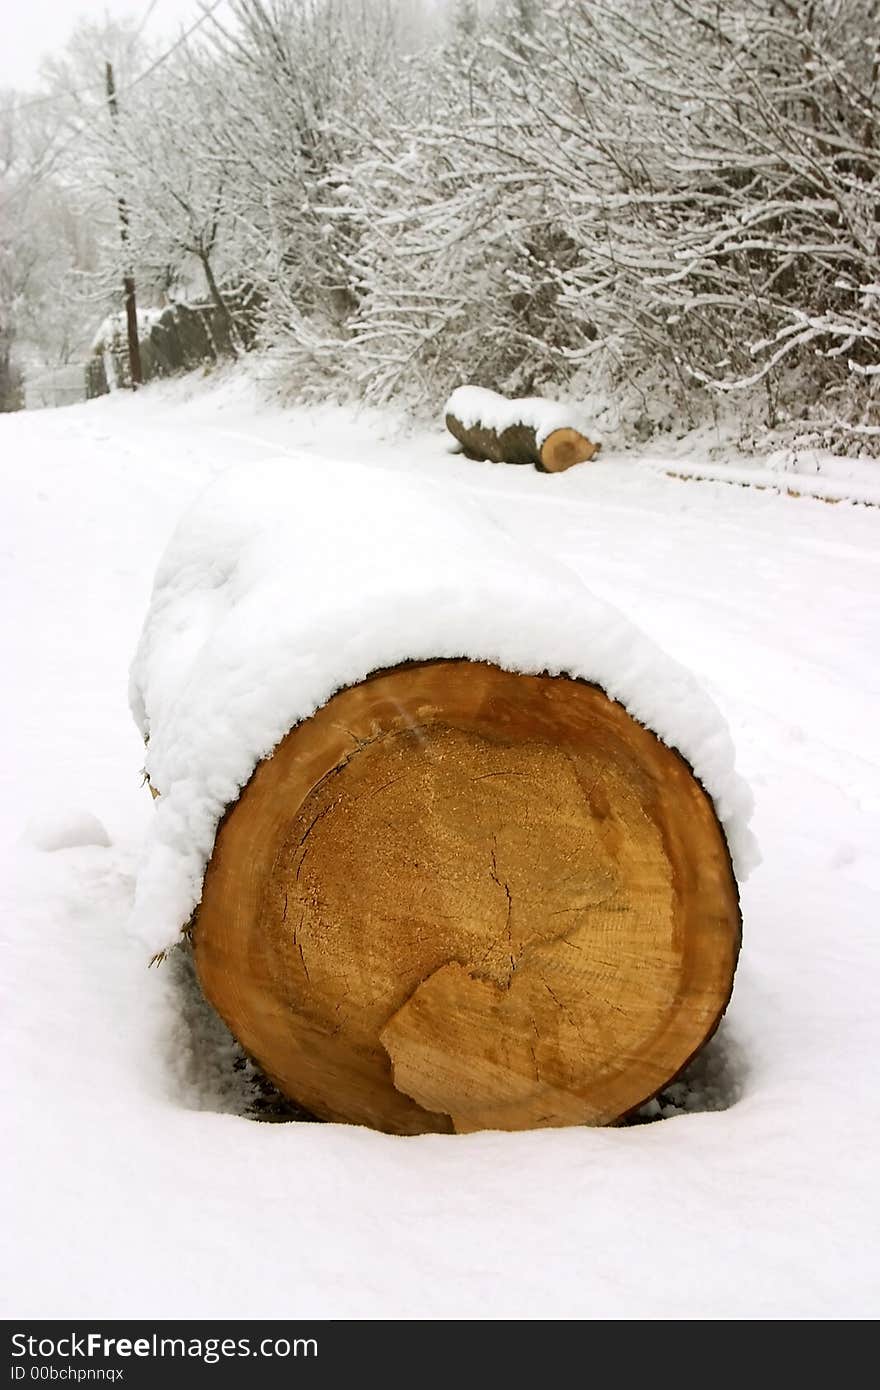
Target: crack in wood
column 502, row 883
column 320, row 816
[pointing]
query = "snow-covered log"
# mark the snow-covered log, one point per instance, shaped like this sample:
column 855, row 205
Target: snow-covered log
column 476, row 833
column 528, row 430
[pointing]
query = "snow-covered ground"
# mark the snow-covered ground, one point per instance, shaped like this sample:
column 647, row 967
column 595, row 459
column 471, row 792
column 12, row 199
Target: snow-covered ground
column 136, row 1188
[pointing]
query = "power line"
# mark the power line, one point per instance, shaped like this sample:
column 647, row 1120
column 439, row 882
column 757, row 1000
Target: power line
column 93, row 86
column 145, row 21
column 55, row 153
column 182, row 40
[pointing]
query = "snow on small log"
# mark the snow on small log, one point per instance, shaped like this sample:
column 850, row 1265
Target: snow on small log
column 473, row 405
column 284, row 584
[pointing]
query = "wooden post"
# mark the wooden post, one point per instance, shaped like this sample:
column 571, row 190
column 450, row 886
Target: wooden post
column 134, row 347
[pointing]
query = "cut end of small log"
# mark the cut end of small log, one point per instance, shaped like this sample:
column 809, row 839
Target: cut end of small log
column 458, row 898
column 564, row 448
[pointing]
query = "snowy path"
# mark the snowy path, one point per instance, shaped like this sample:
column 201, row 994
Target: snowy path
column 134, row 1193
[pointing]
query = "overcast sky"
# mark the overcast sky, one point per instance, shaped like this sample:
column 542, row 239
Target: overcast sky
column 31, row 29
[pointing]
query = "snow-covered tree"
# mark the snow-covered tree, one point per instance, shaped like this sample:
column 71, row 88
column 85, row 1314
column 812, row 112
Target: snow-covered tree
column 668, row 203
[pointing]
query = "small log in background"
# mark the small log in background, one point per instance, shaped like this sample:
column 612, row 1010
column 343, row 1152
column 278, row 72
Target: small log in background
column 458, row 898
column 518, row 441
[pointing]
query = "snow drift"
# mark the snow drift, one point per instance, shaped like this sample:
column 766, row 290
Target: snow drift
column 134, row 1185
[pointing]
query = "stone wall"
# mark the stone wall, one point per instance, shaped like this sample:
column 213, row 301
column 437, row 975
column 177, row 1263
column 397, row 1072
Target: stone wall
column 182, row 337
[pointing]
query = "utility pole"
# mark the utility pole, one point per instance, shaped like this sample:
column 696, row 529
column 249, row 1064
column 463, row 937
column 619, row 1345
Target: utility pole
column 134, row 347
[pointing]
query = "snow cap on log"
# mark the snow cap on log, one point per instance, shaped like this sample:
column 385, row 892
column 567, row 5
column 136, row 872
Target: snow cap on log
column 283, row 585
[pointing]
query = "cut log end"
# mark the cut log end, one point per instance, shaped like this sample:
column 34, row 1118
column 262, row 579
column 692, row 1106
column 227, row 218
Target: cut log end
column 564, row 448
column 459, row 898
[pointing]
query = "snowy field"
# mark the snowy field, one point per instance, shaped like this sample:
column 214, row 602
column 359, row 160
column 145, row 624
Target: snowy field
column 137, row 1188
